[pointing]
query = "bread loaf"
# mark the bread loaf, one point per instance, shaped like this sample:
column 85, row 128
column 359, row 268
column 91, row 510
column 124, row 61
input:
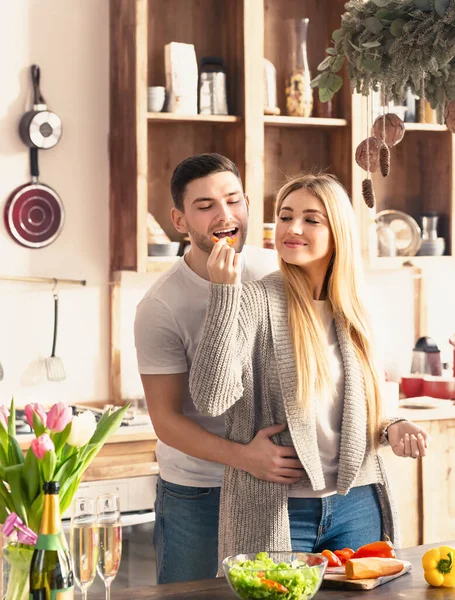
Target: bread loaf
column 372, row 567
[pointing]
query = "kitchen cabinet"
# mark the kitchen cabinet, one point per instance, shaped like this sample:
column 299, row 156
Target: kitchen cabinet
column 424, row 489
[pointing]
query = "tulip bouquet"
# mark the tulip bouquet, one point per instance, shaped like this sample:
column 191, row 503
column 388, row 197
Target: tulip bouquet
column 63, row 448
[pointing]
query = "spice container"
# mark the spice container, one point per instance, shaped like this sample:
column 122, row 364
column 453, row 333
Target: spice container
column 269, row 236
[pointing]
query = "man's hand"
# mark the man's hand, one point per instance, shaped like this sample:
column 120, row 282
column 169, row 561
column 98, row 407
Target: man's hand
column 265, row 460
column 224, row 265
column 407, row 439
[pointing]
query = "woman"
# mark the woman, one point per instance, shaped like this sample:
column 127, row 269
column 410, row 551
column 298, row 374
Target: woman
column 296, row 347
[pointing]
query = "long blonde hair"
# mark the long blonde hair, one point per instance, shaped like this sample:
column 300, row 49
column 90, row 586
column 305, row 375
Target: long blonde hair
column 344, row 293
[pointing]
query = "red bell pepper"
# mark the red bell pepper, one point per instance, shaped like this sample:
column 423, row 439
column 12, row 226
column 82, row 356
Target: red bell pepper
column 383, row 549
column 344, row 554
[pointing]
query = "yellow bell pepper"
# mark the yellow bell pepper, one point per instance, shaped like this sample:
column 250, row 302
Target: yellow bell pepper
column 439, row 566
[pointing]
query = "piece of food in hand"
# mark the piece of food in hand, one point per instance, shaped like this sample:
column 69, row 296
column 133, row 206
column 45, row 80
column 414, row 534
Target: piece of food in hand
column 229, row 240
column 344, row 554
column 372, row 567
column 382, row 549
column 439, row 566
column 334, row 561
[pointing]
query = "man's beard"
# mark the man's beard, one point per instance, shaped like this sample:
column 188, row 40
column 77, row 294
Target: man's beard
column 206, row 245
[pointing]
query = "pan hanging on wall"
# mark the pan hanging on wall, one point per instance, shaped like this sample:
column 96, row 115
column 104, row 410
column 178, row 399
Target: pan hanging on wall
column 34, row 213
column 39, row 127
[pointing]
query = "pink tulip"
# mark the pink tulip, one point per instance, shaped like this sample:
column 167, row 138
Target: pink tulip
column 4, row 414
column 35, row 407
column 59, row 416
column 41, row 445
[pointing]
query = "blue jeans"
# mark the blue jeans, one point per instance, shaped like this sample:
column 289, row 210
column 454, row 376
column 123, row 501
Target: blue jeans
column 185, row 537
column 335, row 522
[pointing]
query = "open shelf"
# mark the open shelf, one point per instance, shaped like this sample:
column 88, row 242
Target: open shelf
column 283, row 121
column 174, row 118
column 425, row 127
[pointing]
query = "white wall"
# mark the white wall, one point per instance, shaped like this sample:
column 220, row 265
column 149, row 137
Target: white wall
column 69, row 41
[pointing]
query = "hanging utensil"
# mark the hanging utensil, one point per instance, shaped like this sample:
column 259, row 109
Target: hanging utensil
column 54, row 364
column 39, row 127
column 1, row 371
column 34, row 213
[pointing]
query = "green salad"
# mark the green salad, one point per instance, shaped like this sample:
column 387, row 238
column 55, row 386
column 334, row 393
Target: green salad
column 265, row 579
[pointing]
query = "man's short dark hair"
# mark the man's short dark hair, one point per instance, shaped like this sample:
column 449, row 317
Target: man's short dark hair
column 194, row 167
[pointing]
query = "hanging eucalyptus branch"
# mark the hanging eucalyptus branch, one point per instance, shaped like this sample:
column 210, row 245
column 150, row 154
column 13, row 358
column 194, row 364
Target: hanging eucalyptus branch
column 393, row 45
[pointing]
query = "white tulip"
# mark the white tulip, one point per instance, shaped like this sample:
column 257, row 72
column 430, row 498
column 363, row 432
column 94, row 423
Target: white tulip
column 82, row 428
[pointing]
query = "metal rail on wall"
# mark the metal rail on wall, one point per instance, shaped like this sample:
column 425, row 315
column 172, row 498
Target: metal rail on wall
column 52, row 280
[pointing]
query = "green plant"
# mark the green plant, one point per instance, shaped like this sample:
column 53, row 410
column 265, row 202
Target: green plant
column 392, row 45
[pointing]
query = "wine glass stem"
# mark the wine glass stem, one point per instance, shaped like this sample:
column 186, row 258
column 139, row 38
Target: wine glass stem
column 108, row 591
column 85, row 594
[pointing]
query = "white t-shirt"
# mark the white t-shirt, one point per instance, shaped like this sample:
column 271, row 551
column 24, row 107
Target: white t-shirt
column 329, row 413
column 168, row 327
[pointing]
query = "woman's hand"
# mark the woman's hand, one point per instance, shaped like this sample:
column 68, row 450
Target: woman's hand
column 407, row 439
column 224, row 263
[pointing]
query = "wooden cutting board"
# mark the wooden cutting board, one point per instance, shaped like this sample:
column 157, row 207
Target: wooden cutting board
column 339, row 580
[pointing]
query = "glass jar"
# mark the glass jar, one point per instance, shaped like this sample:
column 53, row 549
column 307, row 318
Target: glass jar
column 212, row 87
column 269, row 236
column 299, row 93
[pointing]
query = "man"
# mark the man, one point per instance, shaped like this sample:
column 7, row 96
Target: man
column 208, row 202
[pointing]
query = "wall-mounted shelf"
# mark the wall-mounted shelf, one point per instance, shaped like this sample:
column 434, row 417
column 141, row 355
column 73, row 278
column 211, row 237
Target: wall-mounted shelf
column 425, row 127
column 387, row 263
column 175, row 118
column 283, row 121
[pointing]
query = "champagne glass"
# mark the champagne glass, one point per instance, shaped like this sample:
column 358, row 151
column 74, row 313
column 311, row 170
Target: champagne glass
column 84, row 543
column 110, row 536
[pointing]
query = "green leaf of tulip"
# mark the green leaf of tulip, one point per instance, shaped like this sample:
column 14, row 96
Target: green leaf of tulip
column 15, row 454
column 60, row 439
column 12, row 418
column 109, row 425
column 14, row 479
column 38, row 425
column 49, row 462
column 31, row 475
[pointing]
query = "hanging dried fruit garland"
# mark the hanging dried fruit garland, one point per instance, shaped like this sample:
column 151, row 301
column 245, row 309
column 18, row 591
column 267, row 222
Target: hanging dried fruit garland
column 392, row 46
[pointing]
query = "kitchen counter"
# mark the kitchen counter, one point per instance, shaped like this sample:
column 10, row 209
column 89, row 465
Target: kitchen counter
column 128, row 433
column 411, row 586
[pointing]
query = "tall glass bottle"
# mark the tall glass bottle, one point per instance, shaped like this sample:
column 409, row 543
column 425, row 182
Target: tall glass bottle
column 299, row 93
column 51, row 571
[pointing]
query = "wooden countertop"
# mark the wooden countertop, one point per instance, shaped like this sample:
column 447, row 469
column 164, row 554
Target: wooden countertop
column 429, row 414
column 411, row 586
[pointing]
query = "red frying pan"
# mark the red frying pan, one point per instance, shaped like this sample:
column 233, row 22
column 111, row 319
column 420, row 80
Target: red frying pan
column 34, row 213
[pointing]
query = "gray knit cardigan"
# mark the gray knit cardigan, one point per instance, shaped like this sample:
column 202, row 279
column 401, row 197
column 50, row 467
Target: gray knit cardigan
column 245, row 367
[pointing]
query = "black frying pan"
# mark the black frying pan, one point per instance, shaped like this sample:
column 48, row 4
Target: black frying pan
column 34, row 213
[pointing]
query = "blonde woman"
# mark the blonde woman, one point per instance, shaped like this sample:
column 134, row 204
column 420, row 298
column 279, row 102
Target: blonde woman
column 296, row 348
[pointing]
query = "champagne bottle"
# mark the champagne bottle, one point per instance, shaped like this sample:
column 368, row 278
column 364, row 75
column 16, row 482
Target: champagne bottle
column 51, row 571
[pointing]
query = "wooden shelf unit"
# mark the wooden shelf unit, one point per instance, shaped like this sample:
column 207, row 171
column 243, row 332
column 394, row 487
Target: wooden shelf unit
column 145, row 147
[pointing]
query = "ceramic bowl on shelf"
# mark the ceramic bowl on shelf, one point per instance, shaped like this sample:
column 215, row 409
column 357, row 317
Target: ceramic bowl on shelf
column 406, row 230
column 432, row 247
column 269, row 574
